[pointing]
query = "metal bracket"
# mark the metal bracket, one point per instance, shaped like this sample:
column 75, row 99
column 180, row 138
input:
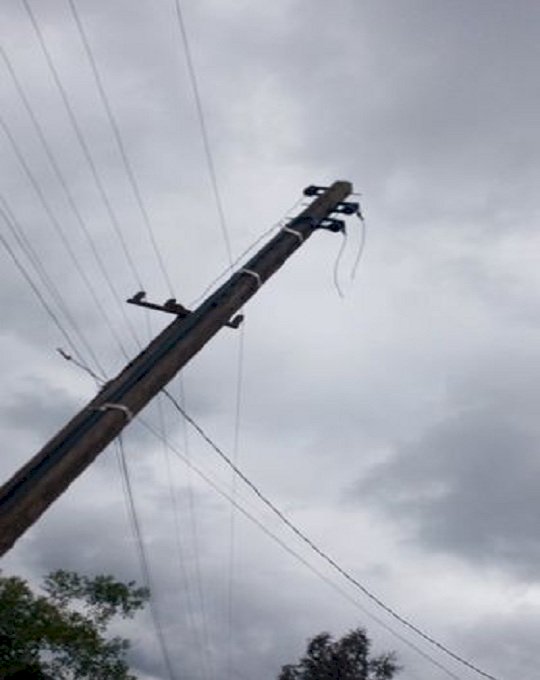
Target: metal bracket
column 171, row 306
column 347, row 208
column 313, row 190
column 332, row 225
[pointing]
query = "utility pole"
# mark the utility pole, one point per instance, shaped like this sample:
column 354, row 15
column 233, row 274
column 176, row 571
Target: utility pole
column 38, row 483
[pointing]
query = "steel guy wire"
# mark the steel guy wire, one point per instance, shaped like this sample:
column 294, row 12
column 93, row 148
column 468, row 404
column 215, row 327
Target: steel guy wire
column 65, row 187
column 323, row 555
column 121, row 145
column 143, row 559
column 83, row 144
column 337, row 588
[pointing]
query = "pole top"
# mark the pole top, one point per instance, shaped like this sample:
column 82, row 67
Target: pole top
column 316, row 190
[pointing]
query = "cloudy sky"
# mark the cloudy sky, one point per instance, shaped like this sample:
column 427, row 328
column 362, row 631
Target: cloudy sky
column 397, row 426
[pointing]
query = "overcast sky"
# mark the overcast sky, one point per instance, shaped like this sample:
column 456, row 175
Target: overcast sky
column 397, row 426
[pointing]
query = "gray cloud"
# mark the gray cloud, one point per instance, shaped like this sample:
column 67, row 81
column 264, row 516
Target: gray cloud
column 414, row 395
column 467, row 486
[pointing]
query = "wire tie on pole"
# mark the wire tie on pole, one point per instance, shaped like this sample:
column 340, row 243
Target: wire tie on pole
column 110, row 406
column 255, row 275
column 298, row 234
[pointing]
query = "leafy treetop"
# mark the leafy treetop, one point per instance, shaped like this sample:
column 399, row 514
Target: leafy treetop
column 345, row 659
column 61, row 634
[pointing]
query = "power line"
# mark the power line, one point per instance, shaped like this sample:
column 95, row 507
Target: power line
column 83, row 144
column 26, row 247
column 67, row 191
column 361, row 243
column 200, row 644
column 38, row 294
column 141, row 551
column 245, row 252
column 232, row 523
column 258, row 523
column 226, row 237
column 194, row 530
column 322, row 554
column 120, row 143
column 204, row 129
column 159, row 434
column 55, row 223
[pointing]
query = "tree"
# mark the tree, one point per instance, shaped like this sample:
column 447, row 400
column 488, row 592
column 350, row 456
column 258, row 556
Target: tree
column 345, row 659
column 60, row 634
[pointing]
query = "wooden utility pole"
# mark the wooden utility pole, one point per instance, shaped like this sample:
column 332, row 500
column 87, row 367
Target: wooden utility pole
column 38, row 483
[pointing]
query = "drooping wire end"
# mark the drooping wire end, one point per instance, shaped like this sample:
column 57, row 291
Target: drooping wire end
column 361, row 243
column 338, row 262
column 99, row 380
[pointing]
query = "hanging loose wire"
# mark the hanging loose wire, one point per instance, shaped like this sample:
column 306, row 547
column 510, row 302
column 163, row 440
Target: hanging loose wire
column 361, row 232
column 99, row 380
column 337, row 263
column 325, row 556
column 361, row 244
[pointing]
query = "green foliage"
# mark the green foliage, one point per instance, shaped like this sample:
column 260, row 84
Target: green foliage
column 61, row 634
column 345, row 659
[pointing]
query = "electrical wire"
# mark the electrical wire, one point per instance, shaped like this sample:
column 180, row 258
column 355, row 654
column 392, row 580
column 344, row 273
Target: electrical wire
column 361, row 244
column 180, row 550
column 360, row 252
column 25, row 246
column 99, row 380
column 129, row 498
column 194, row 531
column 232, row 518
column 141, row 552
column 293, row 553
column 325, row 556
column 121, row 145
column 83, row 144
column 219, row 207
column 38, row 128
column 56, row 226
column 274, row 227
column 204, row 129
column 39, row 296
column 338, row 262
